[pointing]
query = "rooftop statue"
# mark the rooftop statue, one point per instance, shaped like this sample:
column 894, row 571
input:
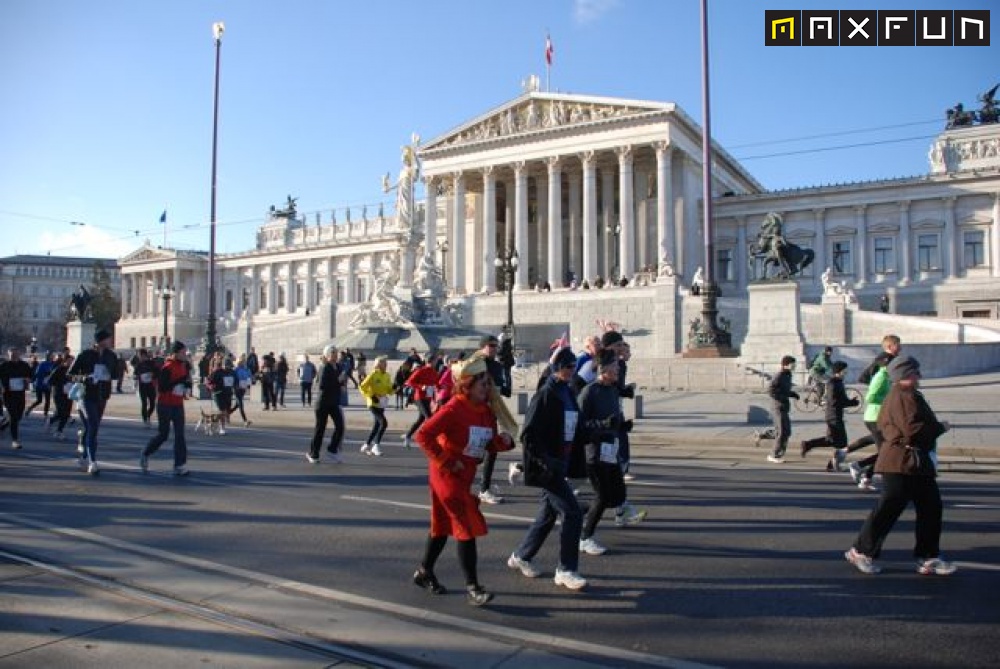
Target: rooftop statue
column 408, row 175
column 782, row 259
column 989, row 113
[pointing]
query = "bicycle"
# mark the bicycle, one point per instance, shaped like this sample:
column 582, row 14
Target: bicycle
column 762, row 376
column 810, row 398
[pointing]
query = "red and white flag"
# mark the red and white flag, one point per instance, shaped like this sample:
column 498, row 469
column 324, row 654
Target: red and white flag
column 549, row 50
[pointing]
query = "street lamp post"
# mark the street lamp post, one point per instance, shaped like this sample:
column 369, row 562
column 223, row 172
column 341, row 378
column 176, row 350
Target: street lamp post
column 166, row 293
column 507, row 263
column 217, row 29
column 442, row 246
column 706, row 338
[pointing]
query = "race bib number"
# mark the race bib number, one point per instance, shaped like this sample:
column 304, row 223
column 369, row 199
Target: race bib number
column 101, row 373
column 180, row 390
column 569, row 425
column 16, row 385
column 146, row 377
column 609, row 452
column 228, row 381
column 244, row 383
column 479, row 439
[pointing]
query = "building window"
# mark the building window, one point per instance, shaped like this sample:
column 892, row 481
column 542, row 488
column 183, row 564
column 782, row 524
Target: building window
column 341, row 291
column 131, row 342
column 724, row 264
column 300, row 294
column 974, row 248
column 142, row 342
column 360, row 295
column 263, row 297
column 884, row 256
column 319, row 292
column 229, row 300
column 841, row 256
column 927, row 253
column 246, row 300
column 281, row 297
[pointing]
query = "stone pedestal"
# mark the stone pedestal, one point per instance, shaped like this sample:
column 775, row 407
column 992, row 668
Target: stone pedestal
column 79, row 336
column 774, row 325
column 834, row 309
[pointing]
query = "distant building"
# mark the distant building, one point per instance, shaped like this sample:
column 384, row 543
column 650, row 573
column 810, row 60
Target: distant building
column 45, row 284
column 588, row 189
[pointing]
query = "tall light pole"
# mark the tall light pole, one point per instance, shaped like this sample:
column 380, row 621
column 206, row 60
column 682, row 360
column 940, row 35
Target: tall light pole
column 706, row 338
column 217, row 29
column 166, row 293
column 507, row 263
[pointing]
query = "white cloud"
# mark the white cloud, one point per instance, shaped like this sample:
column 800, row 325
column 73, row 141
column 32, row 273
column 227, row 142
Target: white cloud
column 586, row 11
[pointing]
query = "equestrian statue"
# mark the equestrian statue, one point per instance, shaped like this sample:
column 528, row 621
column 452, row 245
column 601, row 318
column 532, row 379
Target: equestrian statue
column 782, row 259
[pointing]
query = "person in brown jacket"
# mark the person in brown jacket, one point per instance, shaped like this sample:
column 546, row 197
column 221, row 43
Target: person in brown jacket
column 907, row 461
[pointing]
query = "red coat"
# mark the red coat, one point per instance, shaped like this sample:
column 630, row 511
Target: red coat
column 459, row 432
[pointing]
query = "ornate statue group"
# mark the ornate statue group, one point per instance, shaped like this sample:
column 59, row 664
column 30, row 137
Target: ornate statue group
column 988, row 112
column 80, row 304
column 781, row 258
column 289, row 211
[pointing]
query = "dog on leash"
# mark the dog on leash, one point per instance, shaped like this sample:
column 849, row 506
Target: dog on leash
column 211, row 423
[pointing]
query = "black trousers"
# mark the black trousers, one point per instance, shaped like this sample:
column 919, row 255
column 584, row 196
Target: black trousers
column 898, row 490
column 327, row 409
column 782, row 429
column 424, row 407
column 147, row 401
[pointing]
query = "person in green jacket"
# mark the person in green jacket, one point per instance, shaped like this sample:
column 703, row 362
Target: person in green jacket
column 821, row 369
column 878, row 388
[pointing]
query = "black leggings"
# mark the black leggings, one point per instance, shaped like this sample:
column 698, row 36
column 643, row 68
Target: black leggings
column 424, row 407
column 467, row 557
column 379, row 427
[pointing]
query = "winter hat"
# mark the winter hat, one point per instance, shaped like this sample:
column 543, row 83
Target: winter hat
column 839, row 366
column 177, row 347
column 564, row 357
column 611, row 337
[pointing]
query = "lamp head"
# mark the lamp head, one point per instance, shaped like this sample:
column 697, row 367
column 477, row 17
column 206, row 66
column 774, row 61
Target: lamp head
column 217, row 29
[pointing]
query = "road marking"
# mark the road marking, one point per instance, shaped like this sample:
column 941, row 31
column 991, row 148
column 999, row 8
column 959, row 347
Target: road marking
column 977, row 506
column 517, row 637
column 427, row 507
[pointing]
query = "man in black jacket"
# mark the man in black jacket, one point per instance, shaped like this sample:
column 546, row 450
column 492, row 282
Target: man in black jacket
column 95, row 368
column 549, row 437
column 328, row 407
column 836, row 402
column 780, row 392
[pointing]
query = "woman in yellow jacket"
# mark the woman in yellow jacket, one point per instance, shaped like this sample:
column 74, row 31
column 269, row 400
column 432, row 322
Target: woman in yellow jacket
column 375, row 387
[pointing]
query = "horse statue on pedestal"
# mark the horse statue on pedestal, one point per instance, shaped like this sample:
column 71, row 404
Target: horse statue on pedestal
column 782, row 259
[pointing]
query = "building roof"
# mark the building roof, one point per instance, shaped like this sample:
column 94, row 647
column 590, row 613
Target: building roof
column 59, row 261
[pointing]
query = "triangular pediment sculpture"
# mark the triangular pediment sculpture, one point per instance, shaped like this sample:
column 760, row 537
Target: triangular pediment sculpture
column 539, row 112
column 147, row 253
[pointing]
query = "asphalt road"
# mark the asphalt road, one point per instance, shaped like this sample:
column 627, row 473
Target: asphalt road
column 739, row 564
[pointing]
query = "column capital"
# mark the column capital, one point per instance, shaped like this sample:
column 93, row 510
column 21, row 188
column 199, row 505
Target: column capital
column 663, row 149
column 519, row 166
column 904, row 206
column 818, row 213
column 625, row 155
column 488, row 171
column 587, row 158
column 553, row 162
column 457, row 176
column 429, row 180
column 860, row 208
column 950, row 200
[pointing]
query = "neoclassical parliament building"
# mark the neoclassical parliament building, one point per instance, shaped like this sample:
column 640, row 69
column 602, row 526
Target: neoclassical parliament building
column 587, row 190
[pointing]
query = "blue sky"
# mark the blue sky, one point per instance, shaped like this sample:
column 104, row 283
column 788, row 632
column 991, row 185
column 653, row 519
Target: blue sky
column 107, row 104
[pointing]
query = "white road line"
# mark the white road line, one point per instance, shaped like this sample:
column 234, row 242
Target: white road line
column 515, row 636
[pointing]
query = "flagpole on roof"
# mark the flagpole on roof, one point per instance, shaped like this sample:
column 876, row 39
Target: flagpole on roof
column 163, row 221
column 548, row 63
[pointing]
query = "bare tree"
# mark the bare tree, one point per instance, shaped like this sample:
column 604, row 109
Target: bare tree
column 12, row 329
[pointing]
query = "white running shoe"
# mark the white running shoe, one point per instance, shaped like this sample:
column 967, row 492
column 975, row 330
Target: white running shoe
column 312, row 460
column 375, row 450
column 364, row 448
column 935, row 567
column 570, row 579
column 489, row 497
column 591, row 547
column 862, row 562
column 524, row 566
column 407, row 442
column 16, row 445
column 93, row 469
column 776, row 459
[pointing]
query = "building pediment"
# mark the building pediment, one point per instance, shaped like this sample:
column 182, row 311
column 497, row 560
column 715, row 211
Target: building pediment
column 535, row 112
column 147, row 253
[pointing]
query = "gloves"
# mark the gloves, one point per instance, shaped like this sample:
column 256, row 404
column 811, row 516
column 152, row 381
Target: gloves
column 628, row 392
column 628, row 425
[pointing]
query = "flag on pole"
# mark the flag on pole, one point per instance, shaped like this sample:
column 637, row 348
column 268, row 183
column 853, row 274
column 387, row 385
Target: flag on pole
column 549, row 50
column 560, row 343
column 163, row 217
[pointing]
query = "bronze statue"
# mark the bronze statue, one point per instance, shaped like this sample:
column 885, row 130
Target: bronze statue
column 988, row 113
column 782, row 259
column 80, row 302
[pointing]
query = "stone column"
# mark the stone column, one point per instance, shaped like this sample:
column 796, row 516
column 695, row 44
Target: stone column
column 742, row 255
column 627, row 211
column 290, row 288
column 254, row 290
column 820, row 261
column 133, row 304
column 950, row 251
column 430, row 217
column 995, row 237
column 489, row 229
column 329, row 290
column 665, row 205
column 555, row 223
column 521, row 241
column 905, row 270
column 541, row 228
column 457, row 250
column 351, row 282
column 272, row 289
column 589, row 218
column 607, row 225
column 574, row 179
column 861, row 228
column 509, row 198
column 641, row 219
column 176, row 285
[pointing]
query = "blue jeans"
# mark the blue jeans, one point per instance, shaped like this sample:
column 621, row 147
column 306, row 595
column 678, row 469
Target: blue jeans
column 92, row 412
column 167, row 416
column 557, row 500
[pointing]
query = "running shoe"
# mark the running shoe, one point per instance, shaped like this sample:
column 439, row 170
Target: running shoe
column 855, row 470
column 570, row 579
column 591, row 547
column 489, row 497
column 935, row 567
column 375, row 450
column 862, row 562
column 776, row 459
column 428, row 582
column 477, row 596
column 524, row 566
